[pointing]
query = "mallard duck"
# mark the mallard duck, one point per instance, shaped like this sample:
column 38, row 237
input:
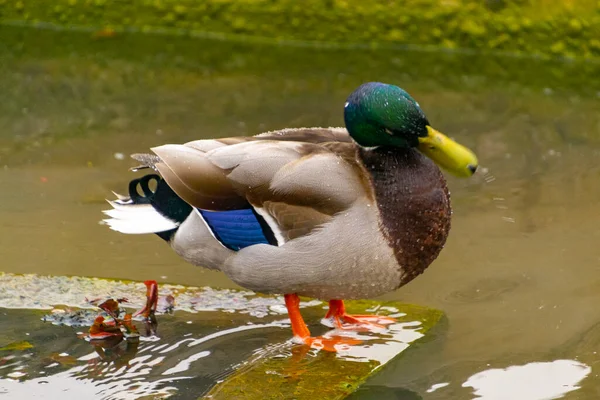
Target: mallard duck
column 327, row 213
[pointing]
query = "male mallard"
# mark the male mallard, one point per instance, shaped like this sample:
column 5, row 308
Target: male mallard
column 330, row 213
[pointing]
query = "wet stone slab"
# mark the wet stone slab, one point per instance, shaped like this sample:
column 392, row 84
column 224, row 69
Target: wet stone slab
column 208, row 343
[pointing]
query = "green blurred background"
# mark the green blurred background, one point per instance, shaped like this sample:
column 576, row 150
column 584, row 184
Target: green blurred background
column 523, row 27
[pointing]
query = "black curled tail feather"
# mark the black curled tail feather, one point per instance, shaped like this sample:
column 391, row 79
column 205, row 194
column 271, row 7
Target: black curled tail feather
column 144, row 184
column 163, row 199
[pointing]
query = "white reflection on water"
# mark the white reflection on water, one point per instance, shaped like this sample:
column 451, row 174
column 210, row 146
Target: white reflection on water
column 195, row 342
column 153, row 373
column 382, row 346
column 95, row 380
column 184, row 365
column 437, row 386
column 129, row 372
column 533, row 381
column 66, row 385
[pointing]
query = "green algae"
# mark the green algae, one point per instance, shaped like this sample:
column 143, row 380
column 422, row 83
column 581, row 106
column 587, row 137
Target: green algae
column 511, row 26
column 177, row 63
column 17, row 346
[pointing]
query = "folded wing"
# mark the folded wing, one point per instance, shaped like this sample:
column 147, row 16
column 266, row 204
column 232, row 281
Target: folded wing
column 291, row 186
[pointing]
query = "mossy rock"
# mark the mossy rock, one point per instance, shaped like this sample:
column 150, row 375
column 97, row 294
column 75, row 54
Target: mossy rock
column 532, row 28
column 306, row 374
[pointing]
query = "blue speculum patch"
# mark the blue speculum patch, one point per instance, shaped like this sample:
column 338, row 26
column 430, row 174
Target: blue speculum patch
column 237, row 229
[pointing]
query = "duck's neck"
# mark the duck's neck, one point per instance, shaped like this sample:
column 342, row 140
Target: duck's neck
column 413, row 203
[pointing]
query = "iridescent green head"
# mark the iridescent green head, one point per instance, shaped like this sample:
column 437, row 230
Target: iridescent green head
column 378, row 114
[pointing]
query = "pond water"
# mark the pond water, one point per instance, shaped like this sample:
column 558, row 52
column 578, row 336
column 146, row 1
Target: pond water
column 519, row 278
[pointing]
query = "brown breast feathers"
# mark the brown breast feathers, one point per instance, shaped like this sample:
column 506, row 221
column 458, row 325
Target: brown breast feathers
column 414, row 205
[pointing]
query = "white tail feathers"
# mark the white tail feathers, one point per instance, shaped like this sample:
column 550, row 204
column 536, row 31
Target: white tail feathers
column 127, row 217
column 120, row 197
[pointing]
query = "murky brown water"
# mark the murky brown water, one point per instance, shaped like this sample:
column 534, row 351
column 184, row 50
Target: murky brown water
column 519, row 279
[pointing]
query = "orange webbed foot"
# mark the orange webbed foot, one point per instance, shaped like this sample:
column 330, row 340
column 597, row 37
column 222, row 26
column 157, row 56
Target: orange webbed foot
column 302, row 334
column 338, row 318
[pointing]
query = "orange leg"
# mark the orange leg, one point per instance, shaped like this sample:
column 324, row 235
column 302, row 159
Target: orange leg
column 337, row 318
column 302, row 334
column 151, row 300
column 299, row 328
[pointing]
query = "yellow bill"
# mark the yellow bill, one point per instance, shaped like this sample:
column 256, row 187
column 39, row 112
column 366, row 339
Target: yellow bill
column 448, row 154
